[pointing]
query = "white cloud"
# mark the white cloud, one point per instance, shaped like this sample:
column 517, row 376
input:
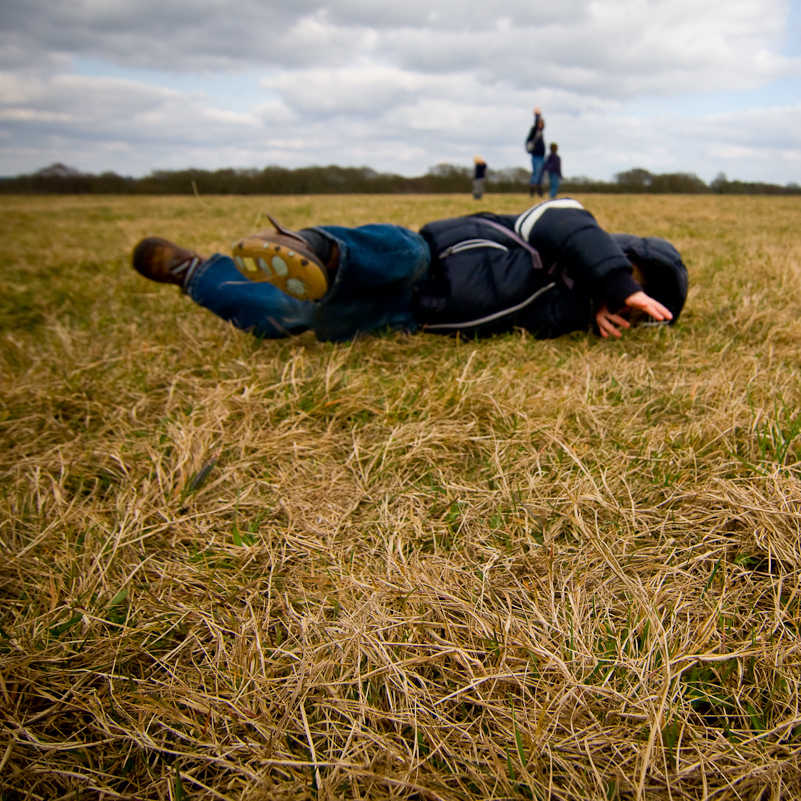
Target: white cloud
column 32, row 115
column 368, row 89
column 396, row 86
column 226, row 117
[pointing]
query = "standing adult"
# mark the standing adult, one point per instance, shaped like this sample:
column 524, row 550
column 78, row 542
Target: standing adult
column 535, row 144
column 479, row 177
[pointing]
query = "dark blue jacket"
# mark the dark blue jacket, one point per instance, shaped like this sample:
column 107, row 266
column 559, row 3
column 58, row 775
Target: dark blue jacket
column 484, row 281
column 477, row 275
column 537, row 136
column 553, row 165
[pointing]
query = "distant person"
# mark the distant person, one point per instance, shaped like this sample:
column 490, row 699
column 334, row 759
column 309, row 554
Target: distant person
column 535, row 144
column 550, row 270
column 478, row 177
column 553, row 166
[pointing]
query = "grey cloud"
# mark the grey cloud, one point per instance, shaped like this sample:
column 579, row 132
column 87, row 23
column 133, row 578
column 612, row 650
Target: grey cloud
column 181, row 34
column 397, row 86
column 103, row 120
column 613, row 49
column 612, row 57
column 455, row 15
column 372, row 90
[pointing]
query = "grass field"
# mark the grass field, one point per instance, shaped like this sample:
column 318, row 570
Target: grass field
column 406, row 567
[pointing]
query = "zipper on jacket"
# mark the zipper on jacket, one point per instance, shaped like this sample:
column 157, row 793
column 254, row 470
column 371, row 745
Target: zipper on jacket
column 470, row 244
column 490, row 317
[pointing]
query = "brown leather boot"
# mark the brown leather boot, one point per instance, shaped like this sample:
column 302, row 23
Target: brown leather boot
column 163, row 261
column 284, row 259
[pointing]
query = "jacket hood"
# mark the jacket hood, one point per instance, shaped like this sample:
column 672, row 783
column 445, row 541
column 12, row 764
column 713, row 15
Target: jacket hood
column 661, row 264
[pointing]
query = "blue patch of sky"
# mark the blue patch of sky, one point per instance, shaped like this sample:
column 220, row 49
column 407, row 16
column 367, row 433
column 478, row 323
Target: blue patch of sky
column 786, row 92
column 237, row 92
column 792, row 44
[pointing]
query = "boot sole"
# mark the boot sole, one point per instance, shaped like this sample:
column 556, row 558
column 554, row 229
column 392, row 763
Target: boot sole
column 280, row 266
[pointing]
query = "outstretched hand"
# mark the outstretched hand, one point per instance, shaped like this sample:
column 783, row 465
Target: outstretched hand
column 608, row 322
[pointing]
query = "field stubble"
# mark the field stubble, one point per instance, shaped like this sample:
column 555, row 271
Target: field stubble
column 406, row 567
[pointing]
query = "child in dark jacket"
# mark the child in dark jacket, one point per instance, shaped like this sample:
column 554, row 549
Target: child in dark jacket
column 479, row 176
column 550, row 270
column 553, row 166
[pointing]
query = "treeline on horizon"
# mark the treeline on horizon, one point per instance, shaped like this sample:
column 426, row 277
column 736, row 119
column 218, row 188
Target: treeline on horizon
column 444, row 178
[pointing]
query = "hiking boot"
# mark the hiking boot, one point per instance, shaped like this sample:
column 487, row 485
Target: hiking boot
column 283, row 258
column 163, row 261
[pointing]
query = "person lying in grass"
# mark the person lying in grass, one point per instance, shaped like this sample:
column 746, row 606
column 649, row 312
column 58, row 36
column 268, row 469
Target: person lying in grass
column 550, row 270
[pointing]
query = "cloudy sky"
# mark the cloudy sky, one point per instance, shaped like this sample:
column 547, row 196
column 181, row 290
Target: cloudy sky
column 703, row 86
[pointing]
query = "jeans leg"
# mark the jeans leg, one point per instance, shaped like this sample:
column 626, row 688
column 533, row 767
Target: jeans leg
column 554, row 181
column 252, row 306
column 379, row 254
column 537, row 164
column 380, row 264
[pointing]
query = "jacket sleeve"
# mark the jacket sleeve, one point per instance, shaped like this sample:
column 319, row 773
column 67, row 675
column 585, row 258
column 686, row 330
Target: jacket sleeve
column 533, row 132
column 570, row 241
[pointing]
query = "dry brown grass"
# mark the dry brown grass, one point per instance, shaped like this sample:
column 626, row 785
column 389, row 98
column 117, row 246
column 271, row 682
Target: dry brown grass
column 408, row 567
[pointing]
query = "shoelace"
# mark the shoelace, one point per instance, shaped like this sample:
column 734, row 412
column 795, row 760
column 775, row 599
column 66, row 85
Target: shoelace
column 186, row 269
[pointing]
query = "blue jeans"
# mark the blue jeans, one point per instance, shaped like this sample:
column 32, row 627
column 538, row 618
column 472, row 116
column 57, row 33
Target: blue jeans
column 553, row 180
column 379, row 267
column 537, row 164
